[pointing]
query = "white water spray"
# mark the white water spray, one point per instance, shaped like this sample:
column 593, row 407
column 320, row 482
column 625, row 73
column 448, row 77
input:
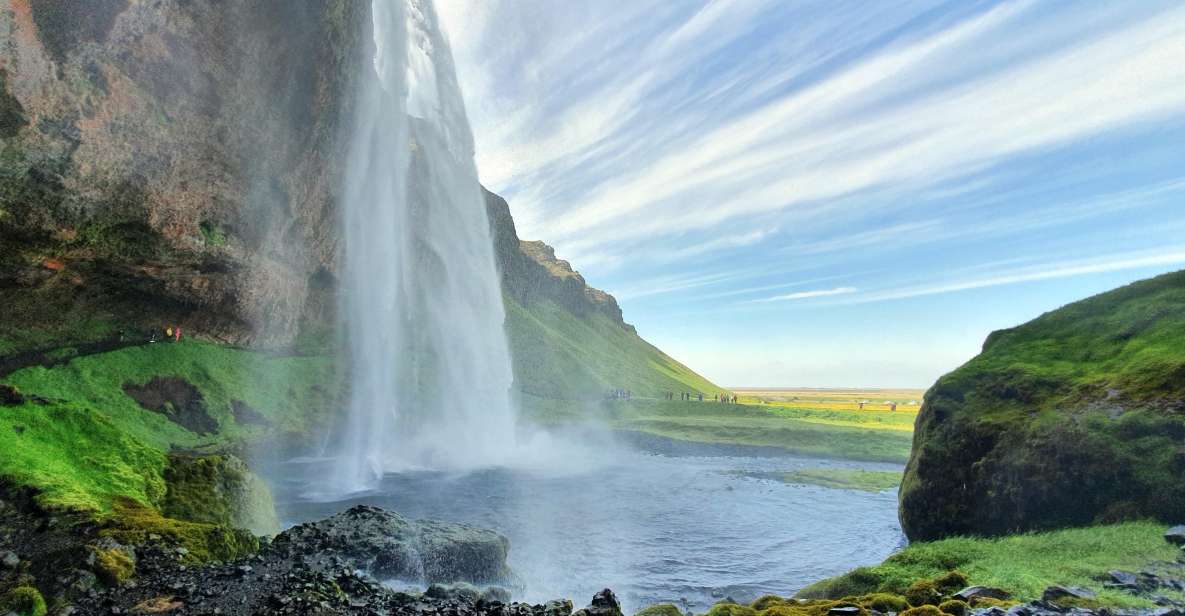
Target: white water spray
column 430, row 368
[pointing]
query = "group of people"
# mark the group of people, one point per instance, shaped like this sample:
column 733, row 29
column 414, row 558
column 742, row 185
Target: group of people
column 620, row 394
column 686, row 397
column 172, row 334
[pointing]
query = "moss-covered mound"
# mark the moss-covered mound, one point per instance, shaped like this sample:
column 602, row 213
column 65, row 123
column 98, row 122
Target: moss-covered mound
column 1016, row 566
column 1074, row 418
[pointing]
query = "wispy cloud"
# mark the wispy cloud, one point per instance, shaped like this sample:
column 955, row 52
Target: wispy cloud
column 809, row 294
column 1112, row 263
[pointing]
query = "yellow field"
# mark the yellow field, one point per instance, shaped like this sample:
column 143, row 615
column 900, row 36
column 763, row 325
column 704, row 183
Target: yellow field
column 907, row 400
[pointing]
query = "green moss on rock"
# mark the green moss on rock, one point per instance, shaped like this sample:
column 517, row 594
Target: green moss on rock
column 219, row 490
column 113, row 566
column 197, row 542
column 662, row 609
column 24, row 601
column 1071, row 419
column 727, row 608
column 924, row 610
column 954, row 607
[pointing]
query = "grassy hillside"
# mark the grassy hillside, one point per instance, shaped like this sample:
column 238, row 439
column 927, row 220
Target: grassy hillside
column 560, row 355
column 83, row 440
column 1076, row 417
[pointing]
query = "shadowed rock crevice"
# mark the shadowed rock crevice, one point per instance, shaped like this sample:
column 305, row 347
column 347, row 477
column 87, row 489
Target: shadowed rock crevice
column 176, row 399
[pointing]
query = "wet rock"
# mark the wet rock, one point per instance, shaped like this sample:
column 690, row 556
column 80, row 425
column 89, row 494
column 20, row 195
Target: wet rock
column 982, row 592
column 1176, row 535
column 558, row 607
column 9, row 560
column 386, row 544
column 603, row 603
column 1122, row 578
column 1054, row 594
column 496, row 594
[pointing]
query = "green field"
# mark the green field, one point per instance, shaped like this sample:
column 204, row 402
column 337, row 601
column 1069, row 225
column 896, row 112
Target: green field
column 849, row 435
column 844, row 478
column 1023, row 564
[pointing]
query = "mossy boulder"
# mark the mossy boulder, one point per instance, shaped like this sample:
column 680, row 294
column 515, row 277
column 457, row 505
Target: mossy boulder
column 662, row 609
column 954, row 607
column 729, row 608
column 196, row 542
column 113, row 565
column 24, row 601
column 884, row 602
column 220, row 490
column 1074, row 418
column 924, row 610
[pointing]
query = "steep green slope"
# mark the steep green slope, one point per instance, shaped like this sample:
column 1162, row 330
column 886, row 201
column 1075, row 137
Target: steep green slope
column 560, row 355
column 1073, row 418
column 81, row 437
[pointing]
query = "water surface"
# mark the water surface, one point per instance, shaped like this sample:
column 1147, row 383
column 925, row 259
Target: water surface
column 685, row 526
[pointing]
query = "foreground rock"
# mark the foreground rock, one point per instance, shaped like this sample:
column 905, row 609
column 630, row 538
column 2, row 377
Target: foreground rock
column 1072, row 419
column 387, row 545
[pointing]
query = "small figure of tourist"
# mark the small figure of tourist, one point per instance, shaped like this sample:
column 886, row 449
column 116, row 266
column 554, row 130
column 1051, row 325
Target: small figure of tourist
column 177, row 334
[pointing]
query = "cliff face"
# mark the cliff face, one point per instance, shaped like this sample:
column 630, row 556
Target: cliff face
column 531, row 272
column 1076, row 417
column 172, row 162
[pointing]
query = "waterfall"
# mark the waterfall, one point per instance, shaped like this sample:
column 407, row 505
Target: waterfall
column 424, row 320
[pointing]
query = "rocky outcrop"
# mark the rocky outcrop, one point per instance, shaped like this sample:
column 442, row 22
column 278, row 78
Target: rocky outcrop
column 391, row 546
column 531, row 272
column 1074, row 418
column 173, row 162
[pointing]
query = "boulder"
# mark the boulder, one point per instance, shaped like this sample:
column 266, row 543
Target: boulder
column 982, row 592
column 1176, row 535
column 1053, row 594
column 558, row 607
column 1123, row 578
column 387, row 545
column 603, row 603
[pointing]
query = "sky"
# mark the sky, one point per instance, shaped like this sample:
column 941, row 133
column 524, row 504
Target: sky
column 831, row 193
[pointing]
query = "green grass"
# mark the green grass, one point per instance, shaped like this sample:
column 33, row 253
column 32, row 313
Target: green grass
column 77, row 457
column 901, row 420
column 730, row 424
column 844, row 478
column 93, row 443
column 1022, row 564
column 559, row 355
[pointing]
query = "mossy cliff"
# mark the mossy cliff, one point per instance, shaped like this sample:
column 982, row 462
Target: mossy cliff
column 1074, row 418
column 569, row 340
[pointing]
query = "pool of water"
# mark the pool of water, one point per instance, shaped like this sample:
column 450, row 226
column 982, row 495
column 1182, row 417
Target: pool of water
column 689, row 525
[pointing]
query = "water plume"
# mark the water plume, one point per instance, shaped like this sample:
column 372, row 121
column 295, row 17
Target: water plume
column 424, row 320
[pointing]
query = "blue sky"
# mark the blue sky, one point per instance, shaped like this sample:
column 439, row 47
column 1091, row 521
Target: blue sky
column 833, row 193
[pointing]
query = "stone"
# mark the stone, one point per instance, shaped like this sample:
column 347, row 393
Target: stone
column 387, row 545
column 847, row 610
column 982, row 592
column 9, row 559
column 495, row 594
column 603, row 603
column 1123, row 578
column 558, row 607
column 1176, row 535
column 9, row 396
column 1053, row 594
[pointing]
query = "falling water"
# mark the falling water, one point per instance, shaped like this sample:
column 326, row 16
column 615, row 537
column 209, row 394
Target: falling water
column 430, row 365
